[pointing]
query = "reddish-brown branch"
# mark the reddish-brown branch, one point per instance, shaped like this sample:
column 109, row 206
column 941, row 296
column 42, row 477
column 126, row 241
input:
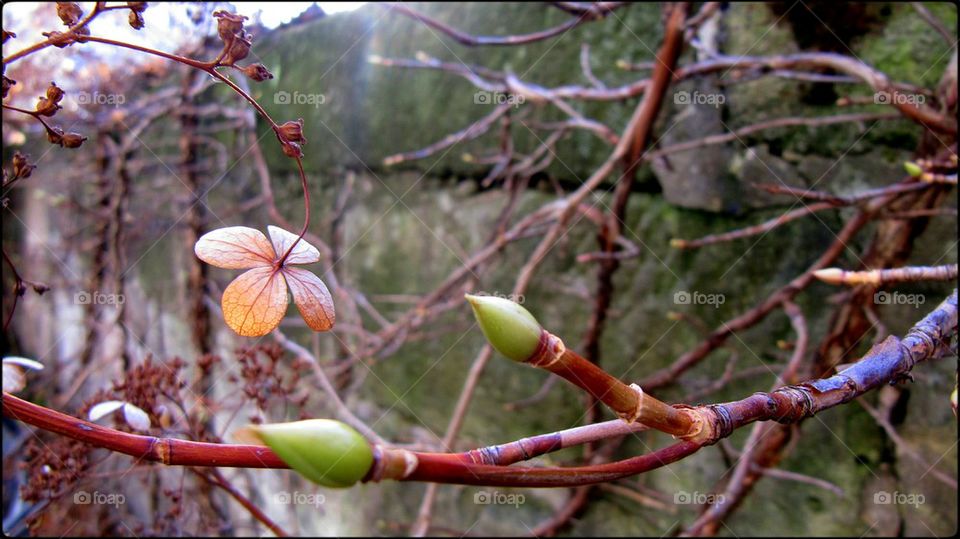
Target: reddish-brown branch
column 888, row 361
column 746, row 320
column 595, row 12
column 829, row 201
column 216, row 478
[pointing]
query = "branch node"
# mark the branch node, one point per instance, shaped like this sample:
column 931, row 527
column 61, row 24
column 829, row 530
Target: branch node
column 549, row 351
column 635, row 415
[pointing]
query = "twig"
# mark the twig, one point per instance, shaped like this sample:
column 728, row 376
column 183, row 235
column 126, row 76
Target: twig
column 880, row 277
column 472, row 41
column 933, row 22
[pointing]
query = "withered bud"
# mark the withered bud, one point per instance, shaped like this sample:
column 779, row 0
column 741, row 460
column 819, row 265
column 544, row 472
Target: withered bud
column 69, row 140
column 228, row 24
column 7, row 84
column 55, row 135
column 54, row 93
column 47, row 107
column 69, row 13
column 135, row 20
column 291, row 149
column 73, row 140
column 8, row 35
column 237, row 50
column 138, row 7
column 22, row 168
column 292, row 132
column 257, row 72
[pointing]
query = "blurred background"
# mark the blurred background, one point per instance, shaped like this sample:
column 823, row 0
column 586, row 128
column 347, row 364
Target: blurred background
column 172, row 153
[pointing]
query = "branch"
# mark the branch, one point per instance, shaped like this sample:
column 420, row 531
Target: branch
column 598, row 11
column 879, row 277
column 888, row 361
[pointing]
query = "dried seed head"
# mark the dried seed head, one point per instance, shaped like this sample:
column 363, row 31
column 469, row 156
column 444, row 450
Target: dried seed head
column 257, row 72
column 54, row 93
column 292, row 132
column 291, row 149
column 237, row 49
column 22, row 168
column 69, row 13
column 49, row 104
column 228, row 25
column 55, row 135
column 135, row 19
column 73, row 140
column 509, row 328
column 325, row 451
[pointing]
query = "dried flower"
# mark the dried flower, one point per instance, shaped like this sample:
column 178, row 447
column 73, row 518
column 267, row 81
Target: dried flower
column 255, row 302
column 73, row 140
column 46, row 107
column 55, row 135
column 135, row 19
column 22, row 168
column 50, row 104
column 138, row 7
column 291, row 149
column 228, row 25
column 69, row 13
column 292, row 132
column 69, row 140
column 237, row 49
column 8, row 35
column 54, row 93
column 257, row 72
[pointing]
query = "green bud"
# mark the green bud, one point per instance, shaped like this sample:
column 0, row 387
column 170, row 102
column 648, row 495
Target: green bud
column 509, row 328
column 913, row 169
column 325, row 451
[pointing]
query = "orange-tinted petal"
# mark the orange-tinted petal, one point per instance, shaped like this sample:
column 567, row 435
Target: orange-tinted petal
column 303, row 253
column 255, row 302
column 235, row 247
column 312, row 298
